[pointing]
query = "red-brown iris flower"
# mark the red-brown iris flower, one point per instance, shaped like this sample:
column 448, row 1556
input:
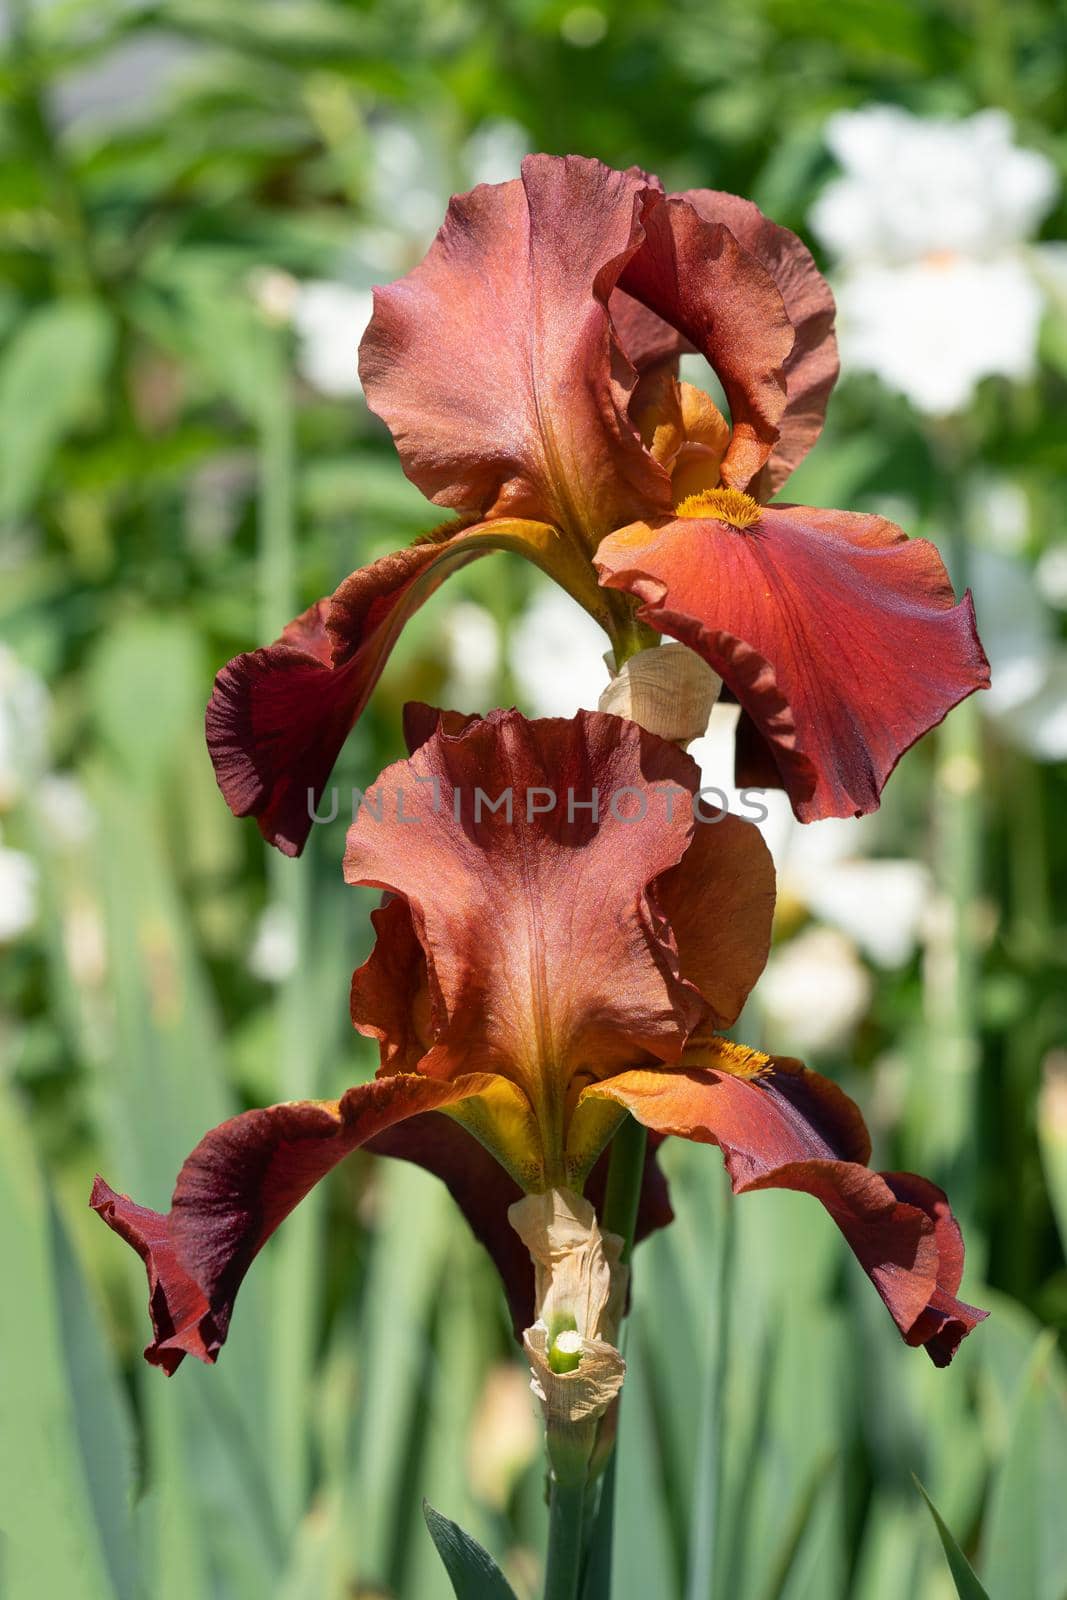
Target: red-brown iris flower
column 558, row 943
column 526, row 370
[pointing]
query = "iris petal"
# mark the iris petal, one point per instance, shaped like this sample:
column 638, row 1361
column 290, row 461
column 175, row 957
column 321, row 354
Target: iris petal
column 495, row 364
column 810, row 369
column 278, row 716
column 697, row 277
column 840, row 637
column 523, row 853
column 787, row 1128
column 237, row 1186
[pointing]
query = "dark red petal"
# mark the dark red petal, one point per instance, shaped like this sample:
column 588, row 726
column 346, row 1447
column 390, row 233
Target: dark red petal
column 240, row 1182
column 421, row 722
column 811, row 367
column 181, row 1316
column 494, row 364
column 279, row 716
column 945, row 1322
column 697, row 277
column 839, row 636
column 790, row 1129
column 754, row 763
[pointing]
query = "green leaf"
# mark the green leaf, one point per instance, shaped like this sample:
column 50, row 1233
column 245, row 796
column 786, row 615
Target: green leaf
column 643, row 1558
column 474, row 1573
column 146, row 688
column 51, row 372
column 963, row 1575
column 99, row 1413
column 1024, row 1544
column 64, row 1421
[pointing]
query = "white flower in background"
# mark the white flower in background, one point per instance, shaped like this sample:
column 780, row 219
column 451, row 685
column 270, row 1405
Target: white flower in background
column 66, row 811
column 814, row 991
column 997, row 514
column 329, row 319
column 556, row 654
column 274, row 952
column 1039, row 724
column 827, row 868
column 929, row 222
column 1027, row 696
column 1016, row 628
column 410, row 181
column 494, row 152
column 913, row 186
column 878, row 902
column 18, row 894
column 1052, row 576
column 24, row 709
column 472, row 655
column 934, row 329
column 714, row 755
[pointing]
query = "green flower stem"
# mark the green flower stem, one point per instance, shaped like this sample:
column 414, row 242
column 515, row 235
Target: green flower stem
column 297, row 1259
column 626, row 1170
column 958, row 833
column 954, row 974
column 628, row 637
column 564, row 1540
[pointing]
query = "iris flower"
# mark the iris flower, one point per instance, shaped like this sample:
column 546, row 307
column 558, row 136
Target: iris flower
column 560, row 941
column 526, row 369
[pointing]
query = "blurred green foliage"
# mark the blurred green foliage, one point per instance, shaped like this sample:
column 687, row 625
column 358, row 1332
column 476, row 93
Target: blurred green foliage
column 170, row 493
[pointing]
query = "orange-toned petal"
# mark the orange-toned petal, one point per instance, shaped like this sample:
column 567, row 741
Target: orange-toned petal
column 278, row 716
column 495, row 365
column 236, row 1187
column 811, row 367
column 839, row 636
column 545, row 960
column 787, row 1128
column 719, row 901
column 683, row 429
column 697, row 277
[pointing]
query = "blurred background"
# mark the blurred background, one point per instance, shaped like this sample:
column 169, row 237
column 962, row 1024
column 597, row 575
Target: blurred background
column 196, row 197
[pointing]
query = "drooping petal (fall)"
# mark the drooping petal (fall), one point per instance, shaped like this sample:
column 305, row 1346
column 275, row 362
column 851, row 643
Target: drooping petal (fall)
column 696, row 275
column 811, row 368
column 523, row 852
column 236, row 1187
column 278, row 716
column 840, row 637
column 495, row 365
column 782, row 1127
